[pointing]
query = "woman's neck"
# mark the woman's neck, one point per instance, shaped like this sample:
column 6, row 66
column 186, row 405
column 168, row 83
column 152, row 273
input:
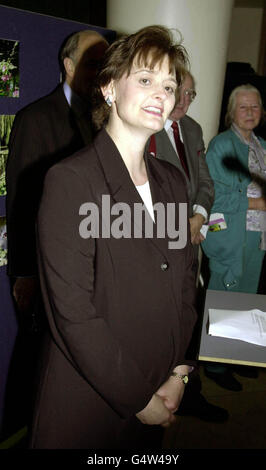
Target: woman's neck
column 245, row 134
column 131, row 148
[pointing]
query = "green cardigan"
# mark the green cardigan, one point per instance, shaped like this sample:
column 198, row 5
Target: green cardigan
column 227, row 159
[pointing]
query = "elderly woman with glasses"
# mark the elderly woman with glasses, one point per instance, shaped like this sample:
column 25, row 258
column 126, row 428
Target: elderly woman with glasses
column 236, row 239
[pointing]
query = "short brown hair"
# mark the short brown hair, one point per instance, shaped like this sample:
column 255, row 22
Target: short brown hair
column 149, row 46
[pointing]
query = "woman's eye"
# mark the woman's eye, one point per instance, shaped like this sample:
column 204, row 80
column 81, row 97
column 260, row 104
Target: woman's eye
column 145, row 81
column 169, row 90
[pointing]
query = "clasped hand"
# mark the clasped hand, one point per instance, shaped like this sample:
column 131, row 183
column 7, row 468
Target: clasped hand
column 257, row 203
column 160, row 409
column 196, row 222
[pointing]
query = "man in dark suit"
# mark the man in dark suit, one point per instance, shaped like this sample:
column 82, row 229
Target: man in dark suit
column 181, row 143
column 44, row 132
column 199, row 183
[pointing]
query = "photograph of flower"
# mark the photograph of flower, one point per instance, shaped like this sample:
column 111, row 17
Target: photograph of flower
column 9, row 68
column 6, row 122
column 3, row 242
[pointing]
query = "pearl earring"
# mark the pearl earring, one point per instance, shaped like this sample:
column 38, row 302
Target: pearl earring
column 109, row 100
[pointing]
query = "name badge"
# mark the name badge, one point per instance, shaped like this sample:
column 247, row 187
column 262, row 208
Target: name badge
column 217, row 222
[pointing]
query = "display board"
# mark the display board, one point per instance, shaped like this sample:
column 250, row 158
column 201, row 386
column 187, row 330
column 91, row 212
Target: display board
column 29, row 69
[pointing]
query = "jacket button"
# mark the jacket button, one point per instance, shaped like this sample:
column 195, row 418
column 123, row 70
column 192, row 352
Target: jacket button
column 164, row 266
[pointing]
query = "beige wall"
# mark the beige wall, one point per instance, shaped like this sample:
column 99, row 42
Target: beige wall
column 244, row 38
column 205, row 26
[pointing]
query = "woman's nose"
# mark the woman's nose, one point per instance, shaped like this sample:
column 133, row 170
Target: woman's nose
column 160, row 92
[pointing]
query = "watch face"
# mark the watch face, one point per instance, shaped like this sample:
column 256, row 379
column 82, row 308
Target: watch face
column 184, row 378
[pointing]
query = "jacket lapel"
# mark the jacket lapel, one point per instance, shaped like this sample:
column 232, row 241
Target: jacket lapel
column 65, row 121
column 165, row 151
column 122, row 188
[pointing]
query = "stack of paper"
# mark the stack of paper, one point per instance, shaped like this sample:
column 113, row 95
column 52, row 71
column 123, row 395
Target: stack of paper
column 249, row 325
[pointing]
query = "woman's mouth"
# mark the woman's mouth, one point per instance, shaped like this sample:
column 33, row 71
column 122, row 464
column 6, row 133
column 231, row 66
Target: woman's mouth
column 154, row 110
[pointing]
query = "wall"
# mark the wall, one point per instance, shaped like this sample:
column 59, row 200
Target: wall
column 204, row 25
column 244, row 38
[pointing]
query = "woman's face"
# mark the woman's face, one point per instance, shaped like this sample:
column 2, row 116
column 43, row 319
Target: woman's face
column 144, row 99
column 247, row 112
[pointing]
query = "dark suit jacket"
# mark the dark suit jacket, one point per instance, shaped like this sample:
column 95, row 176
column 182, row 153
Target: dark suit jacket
column 43, row 133
column 120, row 310
column 200, row 185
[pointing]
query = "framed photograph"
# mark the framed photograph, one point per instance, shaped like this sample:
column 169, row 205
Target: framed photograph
column 3, row 242
column 6, row 122
column 9, row 68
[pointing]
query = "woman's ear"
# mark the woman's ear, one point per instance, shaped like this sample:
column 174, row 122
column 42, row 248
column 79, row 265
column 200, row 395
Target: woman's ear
column 108, row 91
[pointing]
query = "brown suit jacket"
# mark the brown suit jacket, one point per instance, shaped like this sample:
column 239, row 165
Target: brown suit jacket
column 120, row 311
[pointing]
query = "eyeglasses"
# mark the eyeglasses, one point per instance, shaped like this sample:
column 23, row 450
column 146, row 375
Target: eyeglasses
column 245, row 108
column 191, row 93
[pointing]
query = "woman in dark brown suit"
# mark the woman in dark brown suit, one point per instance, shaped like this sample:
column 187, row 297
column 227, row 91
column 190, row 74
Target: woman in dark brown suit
column 119, row 302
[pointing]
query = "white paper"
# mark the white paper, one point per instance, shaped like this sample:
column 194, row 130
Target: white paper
column 248, row 325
